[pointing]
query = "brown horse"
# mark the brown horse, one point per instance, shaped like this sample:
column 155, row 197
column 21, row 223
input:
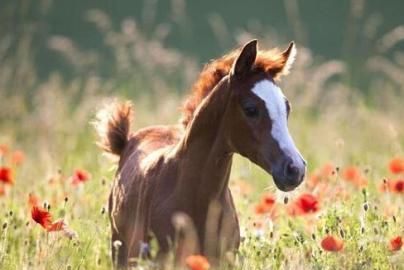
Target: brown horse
column 235, row 107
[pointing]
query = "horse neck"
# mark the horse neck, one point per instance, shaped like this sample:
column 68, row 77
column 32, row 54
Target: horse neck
column 205, row 157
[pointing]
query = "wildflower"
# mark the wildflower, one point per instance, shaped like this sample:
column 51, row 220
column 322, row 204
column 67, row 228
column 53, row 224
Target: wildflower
column 396, row 186
column 6, row 175
column 332, row 243
column 260, row 209
column 396, row 165
column 268, row 200
column 41, row 216
column 69, row 233
column 17, row 157
column 353, row 175
column 3, row 149
column 144, row 249
column 304, row 204
column 117, row 244
column 396, row 243
column 56, row 226
column 266, row 204
column 327, row 170
column 80, row 176
column 313, row 180
column 197, row 262
column 33, row 200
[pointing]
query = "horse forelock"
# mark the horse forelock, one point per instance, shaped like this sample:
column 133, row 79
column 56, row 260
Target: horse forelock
column 268, row 61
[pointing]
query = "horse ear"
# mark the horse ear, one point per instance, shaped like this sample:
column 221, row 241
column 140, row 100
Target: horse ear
column 245, row 60
column 287, row 59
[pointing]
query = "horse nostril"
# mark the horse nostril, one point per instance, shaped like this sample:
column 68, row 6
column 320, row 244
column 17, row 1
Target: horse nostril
column 291, row 171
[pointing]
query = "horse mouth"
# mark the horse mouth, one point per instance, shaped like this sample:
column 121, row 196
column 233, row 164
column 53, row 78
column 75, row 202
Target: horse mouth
column 284, row 188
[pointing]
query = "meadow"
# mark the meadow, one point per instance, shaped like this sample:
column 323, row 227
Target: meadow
column 348, row 213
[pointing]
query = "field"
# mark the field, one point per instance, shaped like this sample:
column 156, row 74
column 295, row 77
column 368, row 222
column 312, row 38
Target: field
column 348, row 214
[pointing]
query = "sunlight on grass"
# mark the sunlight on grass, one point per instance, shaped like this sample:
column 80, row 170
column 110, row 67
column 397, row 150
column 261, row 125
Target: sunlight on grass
column 348, row 214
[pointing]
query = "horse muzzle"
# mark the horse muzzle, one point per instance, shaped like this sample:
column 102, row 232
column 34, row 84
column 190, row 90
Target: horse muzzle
column 288, row 173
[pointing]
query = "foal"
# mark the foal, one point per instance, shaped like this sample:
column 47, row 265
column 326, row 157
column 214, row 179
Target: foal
column 235, row 107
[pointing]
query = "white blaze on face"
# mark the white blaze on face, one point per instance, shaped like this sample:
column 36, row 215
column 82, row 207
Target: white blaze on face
column 275, row 103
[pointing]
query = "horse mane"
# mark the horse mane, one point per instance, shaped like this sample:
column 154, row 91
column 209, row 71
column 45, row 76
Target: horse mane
column 269, row 61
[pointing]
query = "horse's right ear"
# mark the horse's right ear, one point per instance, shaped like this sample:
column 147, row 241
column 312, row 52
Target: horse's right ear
column 245, row 60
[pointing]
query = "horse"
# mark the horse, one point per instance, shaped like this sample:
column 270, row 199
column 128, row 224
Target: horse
column 170, row 175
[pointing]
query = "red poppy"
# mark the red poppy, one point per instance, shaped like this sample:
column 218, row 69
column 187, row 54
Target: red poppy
column 396, row 165
column 396, row 243
column 332, row 243
column 3, row 149
column 304, row 204
column 33, row 200
column 6, row 175
column 268, row 199
column 353, row 175
column 197, row 262
column 327, row 169
column 313, row 181
column 58, row 225
column 80, row 176
column 396, row 186
column 261, row 209
column 266, row 204
column 17, row 157
column 41, row 216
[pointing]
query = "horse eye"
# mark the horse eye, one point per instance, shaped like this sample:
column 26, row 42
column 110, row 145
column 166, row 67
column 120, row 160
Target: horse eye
column 251, row 111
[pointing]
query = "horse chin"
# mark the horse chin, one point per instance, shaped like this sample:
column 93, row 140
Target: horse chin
column 283, row 187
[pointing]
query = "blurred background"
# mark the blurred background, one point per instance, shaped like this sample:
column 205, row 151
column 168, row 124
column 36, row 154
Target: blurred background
column 59, row 60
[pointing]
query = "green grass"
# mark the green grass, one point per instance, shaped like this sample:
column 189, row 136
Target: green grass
column 287, row 242
column 331, row 121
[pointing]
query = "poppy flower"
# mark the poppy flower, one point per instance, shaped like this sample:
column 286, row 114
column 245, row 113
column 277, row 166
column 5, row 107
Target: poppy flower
column 3, row 149
column 396, row 243
column 56, row 226
column 260, row 209
column 327, row 170
column 41, row 216
column 33, row 200
column 6, row 175
column 17, row 157
column 266, row 204
column 197, row 262
column 396, row 165
column 80, row 176
column 313, row 180
column 396, row 186
column 332, row 243
column 268, row 200
column 304, row 204
column 352, row 174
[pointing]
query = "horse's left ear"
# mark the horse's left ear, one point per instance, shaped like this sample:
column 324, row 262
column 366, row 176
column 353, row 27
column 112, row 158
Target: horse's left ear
column 286, row 60
column 245, row 60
